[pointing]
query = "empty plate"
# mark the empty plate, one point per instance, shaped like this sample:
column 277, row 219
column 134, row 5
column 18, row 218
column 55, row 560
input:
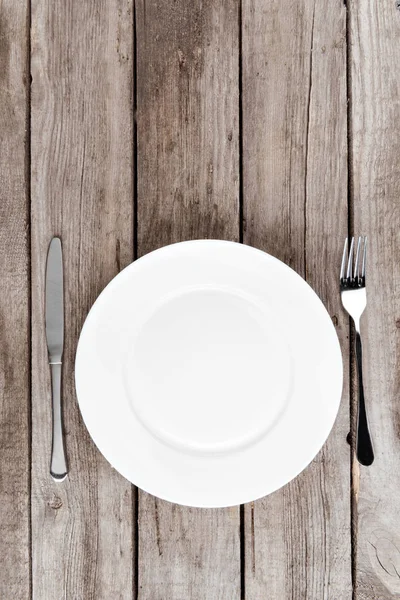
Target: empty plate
column 208, row 373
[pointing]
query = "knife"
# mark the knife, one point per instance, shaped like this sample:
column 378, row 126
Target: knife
column 55, row 343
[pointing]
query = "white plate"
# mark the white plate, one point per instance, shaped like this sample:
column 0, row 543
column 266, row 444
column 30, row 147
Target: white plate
column 209, row 373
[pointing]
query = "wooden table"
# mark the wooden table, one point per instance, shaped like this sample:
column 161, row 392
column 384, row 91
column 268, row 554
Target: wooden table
column 126, row 126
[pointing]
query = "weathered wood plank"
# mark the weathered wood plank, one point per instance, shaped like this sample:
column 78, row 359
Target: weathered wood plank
column 375, row 132
column 297, row 540
column 188, row 187
column 14, row 303
column 82, row 190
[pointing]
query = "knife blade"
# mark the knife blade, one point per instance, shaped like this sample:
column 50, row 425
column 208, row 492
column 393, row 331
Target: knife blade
column 54, row 319
column 54, row 302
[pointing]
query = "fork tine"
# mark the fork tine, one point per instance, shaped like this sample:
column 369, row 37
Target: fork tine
column 343, row 267
column 356, row 274
column 364, row 262
column 350, row 263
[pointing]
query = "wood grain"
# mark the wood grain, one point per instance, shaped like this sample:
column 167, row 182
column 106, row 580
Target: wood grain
column 191, row 59
column 188, row 187
column 297, row 541
column 14, row 303
column 82, row 190
column 375, row 118
column 188, row 158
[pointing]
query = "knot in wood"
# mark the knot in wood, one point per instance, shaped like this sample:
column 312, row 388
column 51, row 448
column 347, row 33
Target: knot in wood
column 55, row 502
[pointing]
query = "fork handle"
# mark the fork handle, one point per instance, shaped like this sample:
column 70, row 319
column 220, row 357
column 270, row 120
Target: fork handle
column 364, row 451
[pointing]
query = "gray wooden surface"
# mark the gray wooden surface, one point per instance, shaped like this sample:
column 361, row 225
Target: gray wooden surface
column 14, row 303
column 81, row 134
column 375, row 206
column 297, row 541
column 188, row 187
column 128, row 125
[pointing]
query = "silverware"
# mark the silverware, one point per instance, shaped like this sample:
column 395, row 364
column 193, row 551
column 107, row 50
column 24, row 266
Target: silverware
column 55, row 344
column 354, row 300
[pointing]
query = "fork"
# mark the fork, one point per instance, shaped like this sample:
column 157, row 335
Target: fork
column 354, row 300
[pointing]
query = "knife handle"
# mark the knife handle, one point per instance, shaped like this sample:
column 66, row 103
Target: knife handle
column 58, row 465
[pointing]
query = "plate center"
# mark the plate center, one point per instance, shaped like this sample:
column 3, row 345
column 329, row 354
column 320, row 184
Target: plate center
column 209, row 371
